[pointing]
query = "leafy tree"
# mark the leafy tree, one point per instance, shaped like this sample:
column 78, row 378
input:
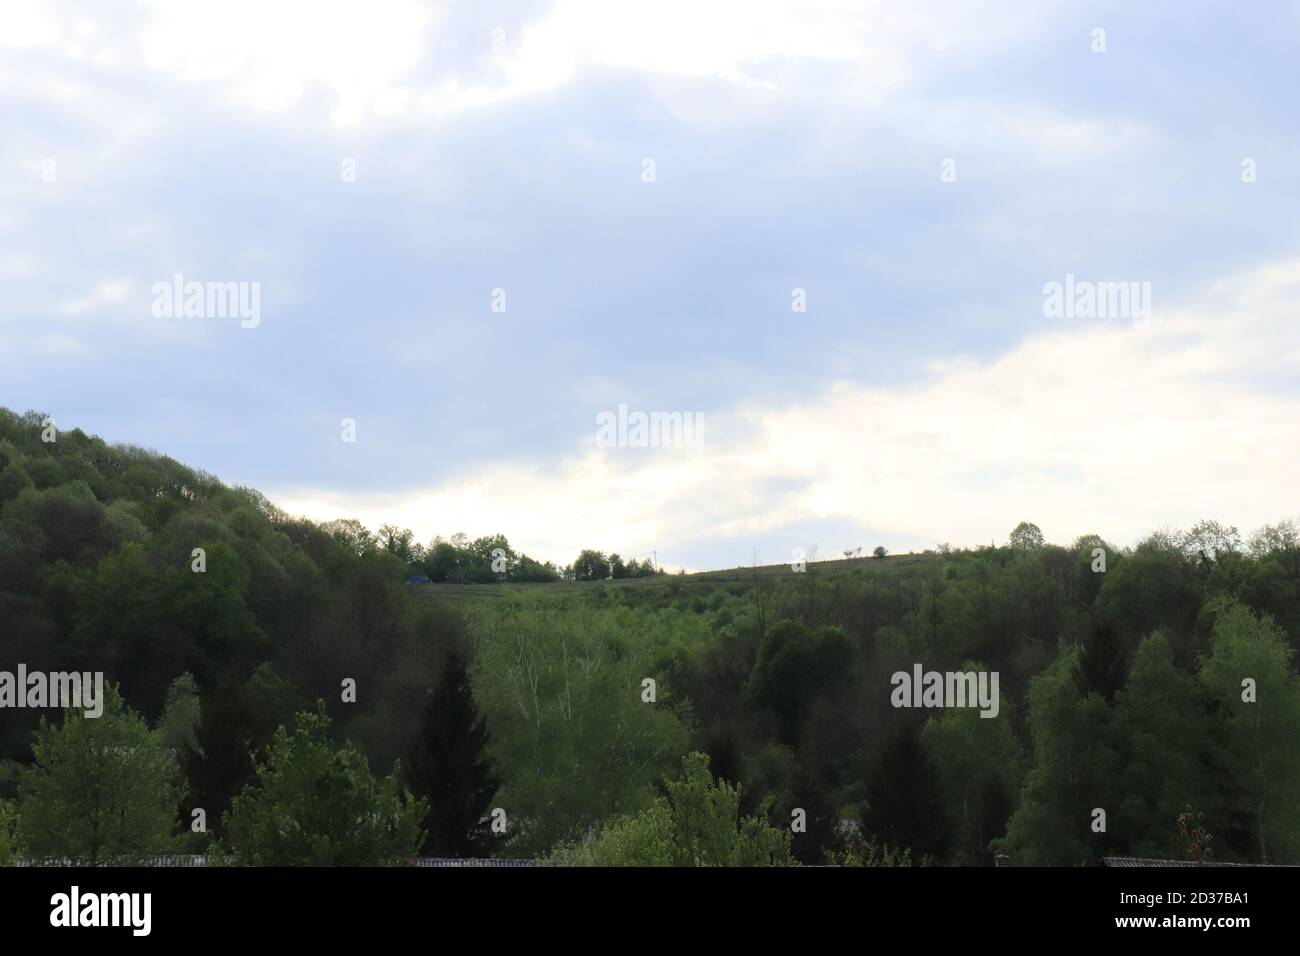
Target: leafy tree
column 448, row 766
column 1073, row 772
column 8, row 825
column 441, row 561
column 352, row 534
column 317, row 804
column 697, row 824
column 100, row 789
column 1026, row 536
column 978, row 762
column 401, row 542
column 1151, row 589
column 120, row 626
column 1211, row 541
column 880, row 551
column 180, row 714
column 795, row 668
column 572, row 738
column 1258, row 750
column 212, row 610
column 13, row 480
column 1281, row 540
column 1162, row 728
column 591, row 566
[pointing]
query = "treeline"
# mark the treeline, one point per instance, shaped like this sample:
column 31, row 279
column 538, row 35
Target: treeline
column 486, row 560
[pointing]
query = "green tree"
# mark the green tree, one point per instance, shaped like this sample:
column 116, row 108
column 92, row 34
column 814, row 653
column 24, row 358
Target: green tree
column 401, row 542
column 978, row 762
column 1260, row 724
column 212, row 608
column 447, row 765
column 120, row 625
column 561, row 687
column 352, row 534
column 905, row 806
column 1026, row 536
column 180, row 714
column 591, row 566
column 100, row 790
column 317, row 804
column 1162, row 731
column 697, row 824
column 236, row 721
column 1211, row 541
column 13, row 480
column 8, row 825
column 441, row 560
column 1072, row 772
column 795, row 668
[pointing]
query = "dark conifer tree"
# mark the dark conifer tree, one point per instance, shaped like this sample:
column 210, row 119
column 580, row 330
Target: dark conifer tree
column 905, row 806
column 448, row 765
column 231, row 728
column 1105, row 662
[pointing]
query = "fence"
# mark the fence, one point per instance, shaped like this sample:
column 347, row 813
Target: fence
column 187, row 860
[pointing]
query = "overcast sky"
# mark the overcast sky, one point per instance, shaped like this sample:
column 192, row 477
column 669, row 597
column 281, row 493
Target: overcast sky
column 920, row 170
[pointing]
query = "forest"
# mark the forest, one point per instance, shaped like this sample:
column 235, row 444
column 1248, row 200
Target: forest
column 282, row 693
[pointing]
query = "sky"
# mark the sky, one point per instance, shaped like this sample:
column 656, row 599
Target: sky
column 828, row 230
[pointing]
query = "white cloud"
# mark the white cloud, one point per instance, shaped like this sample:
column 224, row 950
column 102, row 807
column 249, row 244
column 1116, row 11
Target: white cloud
column 382, row 59
column 27, row 23
column 112, row 292
column 1091, row 426
column 269, row 54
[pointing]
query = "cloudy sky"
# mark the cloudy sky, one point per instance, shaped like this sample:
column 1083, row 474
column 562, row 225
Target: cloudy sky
column 649, row 183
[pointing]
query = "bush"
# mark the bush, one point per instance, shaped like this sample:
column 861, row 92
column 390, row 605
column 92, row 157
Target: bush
column 317, row 805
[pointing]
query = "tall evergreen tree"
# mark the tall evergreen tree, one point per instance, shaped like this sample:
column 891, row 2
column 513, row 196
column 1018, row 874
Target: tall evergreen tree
column 236, row 722
column 905, row 806
column 1104, row 661
column 218, row 762
column 448, row 766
